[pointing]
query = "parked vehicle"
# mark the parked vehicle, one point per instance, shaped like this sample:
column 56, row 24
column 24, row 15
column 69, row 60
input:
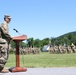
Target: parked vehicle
column 45, row 48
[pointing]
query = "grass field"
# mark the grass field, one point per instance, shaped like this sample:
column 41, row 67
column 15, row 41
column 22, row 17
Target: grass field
column 44, row 59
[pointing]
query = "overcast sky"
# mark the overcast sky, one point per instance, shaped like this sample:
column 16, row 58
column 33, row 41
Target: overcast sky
column 40, row 18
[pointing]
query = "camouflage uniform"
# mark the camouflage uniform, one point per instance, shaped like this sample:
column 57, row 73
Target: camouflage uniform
column 4, row 44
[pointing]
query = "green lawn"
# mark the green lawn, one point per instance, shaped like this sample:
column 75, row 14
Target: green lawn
column 44, row 59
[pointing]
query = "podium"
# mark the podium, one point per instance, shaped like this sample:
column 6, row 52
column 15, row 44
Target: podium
column 17, row 40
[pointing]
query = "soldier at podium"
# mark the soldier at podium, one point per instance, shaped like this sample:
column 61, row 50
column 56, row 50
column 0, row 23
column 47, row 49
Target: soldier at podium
column 4, row 43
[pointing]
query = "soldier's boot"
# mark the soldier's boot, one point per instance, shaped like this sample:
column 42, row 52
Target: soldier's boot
column 5, row 70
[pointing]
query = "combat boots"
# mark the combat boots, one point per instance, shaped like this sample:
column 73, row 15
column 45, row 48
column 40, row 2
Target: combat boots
column 5, row 70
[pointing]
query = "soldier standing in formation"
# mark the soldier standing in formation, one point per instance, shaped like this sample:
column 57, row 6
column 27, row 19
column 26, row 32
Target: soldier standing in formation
column 4, row 43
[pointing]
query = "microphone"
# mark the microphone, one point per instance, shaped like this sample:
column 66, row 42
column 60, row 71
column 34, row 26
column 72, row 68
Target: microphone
column 15, row 30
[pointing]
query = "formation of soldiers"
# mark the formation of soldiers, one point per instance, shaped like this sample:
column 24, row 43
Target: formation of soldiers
column 52, row 50
column 62, row 49
column 28, row 51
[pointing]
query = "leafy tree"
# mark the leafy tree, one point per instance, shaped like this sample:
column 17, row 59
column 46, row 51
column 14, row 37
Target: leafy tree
column 45, row 41
column 37, row 43
column 30, row 42
column 13, row 44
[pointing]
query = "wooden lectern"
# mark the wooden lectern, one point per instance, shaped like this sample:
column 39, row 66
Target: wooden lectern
column 17, row 40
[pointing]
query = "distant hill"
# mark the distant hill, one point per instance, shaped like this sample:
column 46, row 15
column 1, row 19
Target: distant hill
column 70, row 33
column 67, row 39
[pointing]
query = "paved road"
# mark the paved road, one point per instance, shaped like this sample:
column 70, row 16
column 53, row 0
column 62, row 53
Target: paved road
column 45, row 71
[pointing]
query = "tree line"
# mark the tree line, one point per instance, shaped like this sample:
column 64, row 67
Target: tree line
column 66, row 39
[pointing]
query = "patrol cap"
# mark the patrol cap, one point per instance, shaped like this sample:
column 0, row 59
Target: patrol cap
column 7, row 16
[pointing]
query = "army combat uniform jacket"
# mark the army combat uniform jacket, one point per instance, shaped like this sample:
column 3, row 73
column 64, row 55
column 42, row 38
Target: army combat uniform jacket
column 4, row 43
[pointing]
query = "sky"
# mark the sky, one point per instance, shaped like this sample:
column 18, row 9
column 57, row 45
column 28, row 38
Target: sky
column 40, row 18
